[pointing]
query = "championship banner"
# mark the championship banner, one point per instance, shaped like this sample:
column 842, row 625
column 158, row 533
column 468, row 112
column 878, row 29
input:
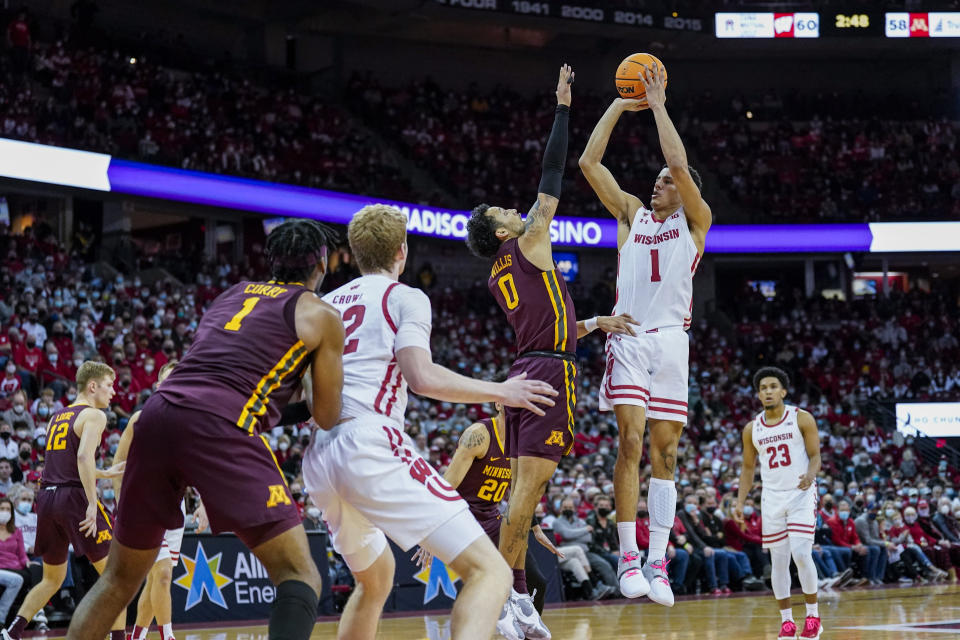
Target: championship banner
column 419, row 589
column 219, row 579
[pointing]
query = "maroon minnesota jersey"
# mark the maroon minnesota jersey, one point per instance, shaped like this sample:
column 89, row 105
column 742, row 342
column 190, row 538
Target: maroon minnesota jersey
column 63, row 443
column 246, row 359
column 536, row 302
column 487, row 479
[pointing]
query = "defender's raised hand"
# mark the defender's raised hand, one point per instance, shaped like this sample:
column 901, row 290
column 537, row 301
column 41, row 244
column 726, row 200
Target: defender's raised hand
column 563, row 85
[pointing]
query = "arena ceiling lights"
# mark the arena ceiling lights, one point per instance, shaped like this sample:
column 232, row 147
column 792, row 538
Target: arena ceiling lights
column 100, row 172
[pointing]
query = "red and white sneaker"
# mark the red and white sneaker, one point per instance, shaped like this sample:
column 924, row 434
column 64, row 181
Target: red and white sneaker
column 788, row 631
column 811, row 628
column 633, row 584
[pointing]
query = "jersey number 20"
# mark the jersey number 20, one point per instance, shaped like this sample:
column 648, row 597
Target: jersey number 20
column 784, row 452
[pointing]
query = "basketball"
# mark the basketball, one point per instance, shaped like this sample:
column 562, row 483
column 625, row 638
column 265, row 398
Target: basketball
column 628, row 81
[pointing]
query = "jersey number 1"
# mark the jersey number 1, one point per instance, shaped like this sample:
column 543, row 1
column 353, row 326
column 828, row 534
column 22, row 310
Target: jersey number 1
column 235, row 321
column 654, row 265
column 784, row 460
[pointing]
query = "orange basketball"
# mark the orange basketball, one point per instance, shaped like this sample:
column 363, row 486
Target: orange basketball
column 628, row 80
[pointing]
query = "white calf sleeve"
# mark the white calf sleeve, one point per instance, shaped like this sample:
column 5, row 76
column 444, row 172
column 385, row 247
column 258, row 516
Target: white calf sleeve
column 662, row 505
column 802, row 550
column 780, row 571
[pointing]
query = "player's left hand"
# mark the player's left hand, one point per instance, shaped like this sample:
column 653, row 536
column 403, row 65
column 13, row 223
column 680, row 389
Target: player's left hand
column 563, row 85
column 654, row 82
column 545, row 541
column 88, row 526
column 200, row 515
column 422, row 558
column 617, row 324
column 113, row 472
column 805, row 481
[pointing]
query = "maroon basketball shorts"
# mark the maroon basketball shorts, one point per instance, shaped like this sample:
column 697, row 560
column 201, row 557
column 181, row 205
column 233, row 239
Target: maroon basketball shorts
column 491, row 526
column 237, row 476
column 549, row 436
column 60, row 510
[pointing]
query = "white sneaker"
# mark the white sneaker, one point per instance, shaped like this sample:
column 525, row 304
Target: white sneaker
column 660, row 591
column 527, row 617
column 507, row 625
column 633, row 584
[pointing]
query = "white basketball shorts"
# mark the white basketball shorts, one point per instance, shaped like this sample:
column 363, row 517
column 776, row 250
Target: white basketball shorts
column 788, row 514
column 368, row 481
column 170, row 547
column 649, row 370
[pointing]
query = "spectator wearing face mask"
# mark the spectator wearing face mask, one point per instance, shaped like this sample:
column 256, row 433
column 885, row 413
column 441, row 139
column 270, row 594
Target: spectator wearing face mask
column 606, row 542
column 6, row 476
column 939, row 556
column 912, row 555
column 10, row 383
column 13, row 559
column 712, row 561
column 312, row 520
column 908, row 466
column 748, row 538
column 54, row 371
column 70, row 396
column 26, row 457
column 845, row 535
column 8, row 445
column 945, row 521
column 925, row 521
column 45, row 406
column 19, row 418
column 28, row 357
column 572, row 530
column 25, row 518
column 868, row 530
column 108, row 495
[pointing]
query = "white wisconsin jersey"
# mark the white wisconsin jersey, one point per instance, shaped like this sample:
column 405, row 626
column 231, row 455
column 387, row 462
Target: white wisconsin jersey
column 380, row 317
column 655, row 271
column 783, row 454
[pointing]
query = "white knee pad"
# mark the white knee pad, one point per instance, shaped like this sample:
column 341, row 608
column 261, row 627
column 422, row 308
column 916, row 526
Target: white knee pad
column 662, row 504
column 802, row 550
column 780, row 571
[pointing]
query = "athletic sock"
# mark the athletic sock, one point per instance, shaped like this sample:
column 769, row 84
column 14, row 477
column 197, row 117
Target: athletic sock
column 138, row 633
column 520, row 581
column 662, row 504
column 166, row 631
column 294, row 611
column 813, row 610
column 118, row 634
column 17, row 626
column 786, row 614
column 627, row 531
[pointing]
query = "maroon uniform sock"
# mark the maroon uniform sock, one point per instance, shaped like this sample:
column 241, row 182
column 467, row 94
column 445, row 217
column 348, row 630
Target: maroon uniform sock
column 519, row 580
column 118, row 634
column 16, row 629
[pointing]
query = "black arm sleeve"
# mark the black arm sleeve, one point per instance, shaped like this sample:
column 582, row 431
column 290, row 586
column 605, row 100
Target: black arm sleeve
column 294, row 413
column 555, row 154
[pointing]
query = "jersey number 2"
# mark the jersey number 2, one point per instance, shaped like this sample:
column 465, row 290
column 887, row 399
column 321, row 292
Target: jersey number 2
column 352, row 319
column 784, row 460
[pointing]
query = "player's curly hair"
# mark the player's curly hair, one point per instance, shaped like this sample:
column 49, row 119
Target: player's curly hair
column 697, row 180
column 376, row 233
column 771, row 372
column 296, row 246
column 482, row 233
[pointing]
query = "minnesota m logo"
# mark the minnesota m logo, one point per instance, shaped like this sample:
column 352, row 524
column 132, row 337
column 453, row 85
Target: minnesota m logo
column 556, row 437
column 278, row 495
column 104, row 536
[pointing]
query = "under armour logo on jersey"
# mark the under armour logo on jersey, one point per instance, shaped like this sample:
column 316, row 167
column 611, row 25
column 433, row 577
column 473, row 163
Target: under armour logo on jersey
column 556, row 437
column 278, row 495
column 104, row 536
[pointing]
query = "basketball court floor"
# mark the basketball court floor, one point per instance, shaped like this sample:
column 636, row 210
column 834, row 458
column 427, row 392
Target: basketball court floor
column 886, row 613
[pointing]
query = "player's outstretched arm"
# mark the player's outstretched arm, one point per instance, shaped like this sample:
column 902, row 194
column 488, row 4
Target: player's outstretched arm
column 698, row 212
column 608, row 324
column 321, row 330
column 94, row 422
column 536, row 235
column 426, row 378
column 747, row 471
column 621, row 204
column 811, row 440
column 473, row 444
column 123, row 449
